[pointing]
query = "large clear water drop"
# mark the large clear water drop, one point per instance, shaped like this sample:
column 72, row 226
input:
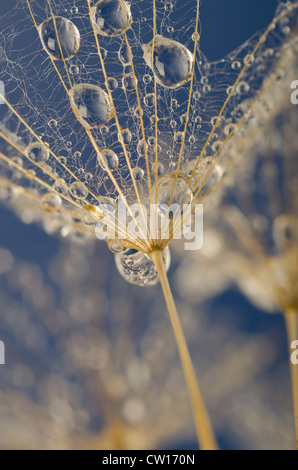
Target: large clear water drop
column 138, row 268
column 111, row 17
column 172, row 62
column 60, row 38
column 91, row 105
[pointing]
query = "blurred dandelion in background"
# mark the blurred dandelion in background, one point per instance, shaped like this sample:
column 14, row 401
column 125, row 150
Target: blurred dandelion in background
column 112, row 103
column 81, row 376
column 253, row 237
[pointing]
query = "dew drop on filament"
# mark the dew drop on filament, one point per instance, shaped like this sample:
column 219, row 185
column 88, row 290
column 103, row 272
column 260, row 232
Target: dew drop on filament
column 172, row 62
column 138, row 268
column 91, row 105
column 60, row 38
column 111, row 17
column 108, row 160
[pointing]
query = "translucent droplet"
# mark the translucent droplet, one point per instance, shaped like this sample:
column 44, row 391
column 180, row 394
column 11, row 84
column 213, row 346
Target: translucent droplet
column 112, row 84
column 111, row 17
column 216, row 145
column 74, row 10
column 228, row 129
column 74, row 69
column 37, row 152
column 51, row 202
column 106, row 205
column 110, row 159
column 91, row 105
column 172, row 62
column 138, row 173
column 178, row 137
column 249, row 59
column 149, row 99
column 123, row 54
column 151, row 141
column 78, row 190
column 174, row 196
column 141, row 148
column 60, row 186
column 116, row 246
column 91, row 215
column 183, row 118
column 52, row 123
column 236, row 65
column 197, row 95
column 60, row 38
column 242, row 88
column 158, row 168
column 147, row 78
column 129, row 82
column 138, row 268
column 168, row 6
column 126, row 136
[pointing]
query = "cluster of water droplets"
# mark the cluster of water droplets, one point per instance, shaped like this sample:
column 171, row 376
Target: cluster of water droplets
column 127, row 122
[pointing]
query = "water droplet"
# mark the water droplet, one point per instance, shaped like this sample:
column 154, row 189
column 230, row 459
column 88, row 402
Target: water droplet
column 147, row 78
column 157, row 168
column 138, row 268
column 37, row 152
column 178, row 137
column 216, row 145
column 60, row 186
column 60, row 38
column 129, row 82
column 228, row 129
column 126, row 136
column 74, row 10
column 91, row 215
column 242, row 88
column 180, row 196
column 249, row 59
column 236, row 65
column 116, row 246
column 195, row 36
column 149, row 99
column 74, row 69
column 111, row 17
column 91, row 105
column 138, row 173
column 51, row 202
column 172, row 62
column 168, row 6
column 112, row 84
column 141, row 148
column 123, row 54
column 151, row 141
column 110, row 159
column 52, row 123
column 78, row 190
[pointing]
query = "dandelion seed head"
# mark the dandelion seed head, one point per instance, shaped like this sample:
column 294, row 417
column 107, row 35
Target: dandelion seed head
column 100, row 98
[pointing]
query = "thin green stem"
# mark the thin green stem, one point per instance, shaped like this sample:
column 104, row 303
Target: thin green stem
column 291, row 317
column 206, row 437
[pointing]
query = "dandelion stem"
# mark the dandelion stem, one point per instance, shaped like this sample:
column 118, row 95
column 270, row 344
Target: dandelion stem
column 291, row 317
column 206, row 437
